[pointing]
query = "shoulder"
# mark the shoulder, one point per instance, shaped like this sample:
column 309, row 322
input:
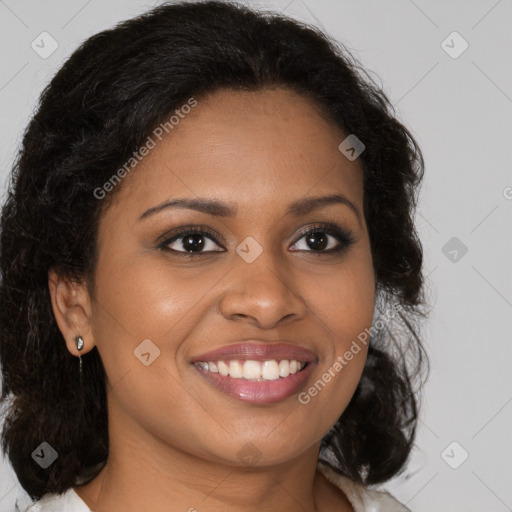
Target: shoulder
column 69, row 501
column 361, row 498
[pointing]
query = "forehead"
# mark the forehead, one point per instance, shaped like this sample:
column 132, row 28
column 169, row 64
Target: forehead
column 253, row 148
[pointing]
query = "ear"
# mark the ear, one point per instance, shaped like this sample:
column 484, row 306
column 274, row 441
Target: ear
column 71, row 305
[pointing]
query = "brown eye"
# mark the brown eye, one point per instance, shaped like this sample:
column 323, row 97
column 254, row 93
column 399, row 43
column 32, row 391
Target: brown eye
column 324, row 239
column 192, row 241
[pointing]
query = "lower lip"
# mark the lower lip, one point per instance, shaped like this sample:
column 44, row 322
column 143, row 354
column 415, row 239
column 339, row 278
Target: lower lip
column 259, row 392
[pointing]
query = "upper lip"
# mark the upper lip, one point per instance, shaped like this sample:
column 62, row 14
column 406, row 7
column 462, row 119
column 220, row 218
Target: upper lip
column 258, row 351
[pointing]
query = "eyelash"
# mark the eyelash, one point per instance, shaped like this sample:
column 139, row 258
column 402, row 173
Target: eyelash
column 344, row 238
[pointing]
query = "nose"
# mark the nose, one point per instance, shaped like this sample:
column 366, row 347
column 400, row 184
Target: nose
column 263, row 292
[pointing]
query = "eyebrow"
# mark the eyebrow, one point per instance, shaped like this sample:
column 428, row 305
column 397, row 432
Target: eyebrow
column 219, row 209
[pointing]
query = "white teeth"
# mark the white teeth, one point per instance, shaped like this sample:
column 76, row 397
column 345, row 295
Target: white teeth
column 284, row 368
column 235, row 370
column 270, row 370
column 254, row 370
column 223, row 368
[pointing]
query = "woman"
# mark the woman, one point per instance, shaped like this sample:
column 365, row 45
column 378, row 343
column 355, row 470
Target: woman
column 210, row 274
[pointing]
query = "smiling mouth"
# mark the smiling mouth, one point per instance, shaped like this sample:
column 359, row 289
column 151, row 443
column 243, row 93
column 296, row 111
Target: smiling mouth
column 255, row 371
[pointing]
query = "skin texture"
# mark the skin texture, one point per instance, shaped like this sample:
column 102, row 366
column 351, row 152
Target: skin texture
column 175, row 440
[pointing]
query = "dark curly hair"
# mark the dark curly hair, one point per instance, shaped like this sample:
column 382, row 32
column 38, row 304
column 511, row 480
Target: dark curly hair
column 97, row 110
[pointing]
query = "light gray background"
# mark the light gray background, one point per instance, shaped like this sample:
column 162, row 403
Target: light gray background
column 460, row 111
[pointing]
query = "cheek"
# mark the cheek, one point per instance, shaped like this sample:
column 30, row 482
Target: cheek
column 339, row 374
column 344, row 302
column 145, row 297
column 140, row 299
column 344, row 299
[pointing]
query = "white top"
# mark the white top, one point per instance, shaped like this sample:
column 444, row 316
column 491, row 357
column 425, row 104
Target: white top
column 361, row 499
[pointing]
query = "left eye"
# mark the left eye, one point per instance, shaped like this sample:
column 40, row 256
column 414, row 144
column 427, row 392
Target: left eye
column 323, row 240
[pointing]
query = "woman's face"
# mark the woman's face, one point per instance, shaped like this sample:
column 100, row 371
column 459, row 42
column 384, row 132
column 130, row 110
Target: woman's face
column 162, row 301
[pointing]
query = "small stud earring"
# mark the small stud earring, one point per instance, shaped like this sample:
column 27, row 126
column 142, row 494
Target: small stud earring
column 79, row 342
